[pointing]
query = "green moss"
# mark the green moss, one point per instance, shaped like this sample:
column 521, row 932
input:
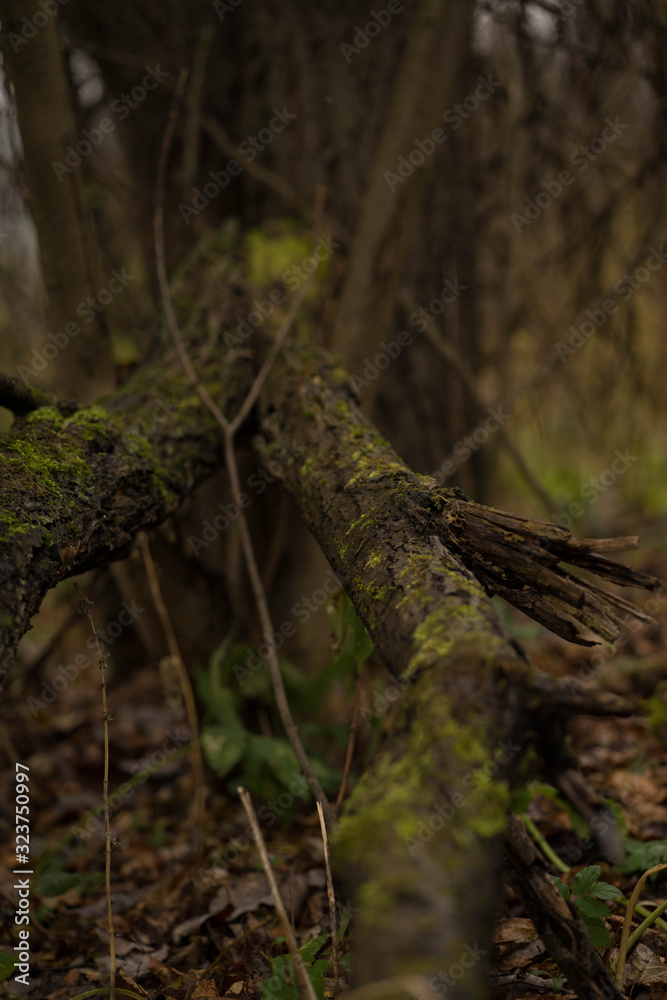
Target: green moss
column 308, row 465
column 10, row 524
column 371, row 590
column 42, row 468
column 272, row 251
column 434, row 756
column 125, row 350
column 93, row 422
column 490, row 817
column 48, row 463
column 370, row 813
column 373, row 560
column 45, row 414
column 209, row 263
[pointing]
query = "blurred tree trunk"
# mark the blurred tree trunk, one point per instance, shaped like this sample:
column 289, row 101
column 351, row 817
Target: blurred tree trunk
column 420, row 845
column 34, row 64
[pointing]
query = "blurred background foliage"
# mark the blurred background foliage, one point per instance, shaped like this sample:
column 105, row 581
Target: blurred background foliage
column 559, row 72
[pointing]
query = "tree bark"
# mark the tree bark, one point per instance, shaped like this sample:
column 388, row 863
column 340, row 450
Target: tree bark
column 562, row 930
column 420, row 845
column 70, row 264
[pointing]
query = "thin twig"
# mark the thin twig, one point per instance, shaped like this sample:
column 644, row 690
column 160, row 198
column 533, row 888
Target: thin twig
column 86, row 606
column 350, row 746
column 226, row 145
column 269, row 179
column 453, row 357
column 229, row 429
column 331, row 894
column 303, row 979
column 266, row 624
column 276, row 347
column 199, row 805
column 627, row 923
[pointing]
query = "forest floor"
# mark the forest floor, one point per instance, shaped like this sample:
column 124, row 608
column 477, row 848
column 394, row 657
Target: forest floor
column 193, row 911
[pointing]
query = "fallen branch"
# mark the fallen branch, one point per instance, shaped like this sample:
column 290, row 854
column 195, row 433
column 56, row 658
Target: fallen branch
column 421, row 842
column 562, row 930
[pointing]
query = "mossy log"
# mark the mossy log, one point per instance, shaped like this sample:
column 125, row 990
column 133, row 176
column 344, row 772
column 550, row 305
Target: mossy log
column 421, row 843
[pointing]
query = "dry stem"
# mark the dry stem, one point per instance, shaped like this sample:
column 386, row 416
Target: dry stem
column 186, row 687
column 229, row 428
column 85, row 607
column 303, row 979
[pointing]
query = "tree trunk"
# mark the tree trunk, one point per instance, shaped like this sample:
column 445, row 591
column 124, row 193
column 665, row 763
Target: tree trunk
column 35, row 68
column 421, row 842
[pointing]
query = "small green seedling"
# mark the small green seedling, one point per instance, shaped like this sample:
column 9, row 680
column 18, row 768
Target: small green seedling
column 282, row 983
column 587, row 895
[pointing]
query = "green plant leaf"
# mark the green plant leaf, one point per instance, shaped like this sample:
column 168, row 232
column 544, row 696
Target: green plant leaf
column 585, row 880
column 310, row 949
column 363, row 644
column 590, row 907
column 276, row 754
column 555, row 981
column 603, row 890
column 56, row 883
column 563, row 889
column 521, row 799
column 344, row 924
column 345, row 962
column 222, row 752
column 350, row 633
column 598, row 933
column 7, row 965
column 285, row 988
column 642, row 856
column 317, row 974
